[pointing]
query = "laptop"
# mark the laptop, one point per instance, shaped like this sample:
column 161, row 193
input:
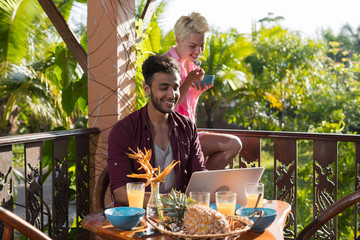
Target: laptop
column 224, row 180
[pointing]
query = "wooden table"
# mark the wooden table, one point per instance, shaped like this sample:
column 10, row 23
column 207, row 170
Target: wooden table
column 98, row 224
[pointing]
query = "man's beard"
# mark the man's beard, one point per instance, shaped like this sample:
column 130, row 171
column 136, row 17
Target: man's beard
column 157, row 105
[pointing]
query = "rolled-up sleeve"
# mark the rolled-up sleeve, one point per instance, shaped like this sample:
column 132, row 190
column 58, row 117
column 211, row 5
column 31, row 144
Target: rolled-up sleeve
column 197, row 159
column 119, row 165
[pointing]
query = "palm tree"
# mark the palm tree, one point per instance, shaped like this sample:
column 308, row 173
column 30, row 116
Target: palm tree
column 32, row 100
column 223, row 57
column 19, row 23
column 151, row 42
column 36, row 69
column 350, row 38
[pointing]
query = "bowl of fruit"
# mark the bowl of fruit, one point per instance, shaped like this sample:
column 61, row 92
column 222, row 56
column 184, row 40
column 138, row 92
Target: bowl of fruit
column 183, row 218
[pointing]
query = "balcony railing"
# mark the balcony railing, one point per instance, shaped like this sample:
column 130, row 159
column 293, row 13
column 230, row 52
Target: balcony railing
column 286, row 149
column 324, row 158
column 55, row 221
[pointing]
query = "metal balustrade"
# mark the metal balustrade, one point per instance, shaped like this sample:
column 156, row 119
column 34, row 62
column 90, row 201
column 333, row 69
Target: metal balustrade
column 283, row 145
column 56, row 220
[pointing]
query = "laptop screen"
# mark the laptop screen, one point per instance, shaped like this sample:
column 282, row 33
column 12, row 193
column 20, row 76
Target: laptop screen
column 224, row 180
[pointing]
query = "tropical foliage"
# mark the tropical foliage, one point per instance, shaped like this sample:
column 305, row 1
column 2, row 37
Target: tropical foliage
column 224, row 57
column 150, row 42
column 42, row 86
column 295, row 86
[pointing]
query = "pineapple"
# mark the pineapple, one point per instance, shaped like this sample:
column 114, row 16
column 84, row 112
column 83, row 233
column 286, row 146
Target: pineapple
column 175, row 206
column 200, row 220
column 183, row 215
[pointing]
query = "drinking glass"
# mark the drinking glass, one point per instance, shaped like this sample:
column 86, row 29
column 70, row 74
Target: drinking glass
column 226, row 202
column 135, row 193
column 252, row 191
column 202, row 198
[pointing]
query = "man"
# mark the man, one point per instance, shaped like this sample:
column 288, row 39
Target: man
column 156, row 126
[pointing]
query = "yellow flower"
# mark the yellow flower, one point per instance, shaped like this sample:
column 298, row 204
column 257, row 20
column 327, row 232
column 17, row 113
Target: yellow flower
column 150, row 173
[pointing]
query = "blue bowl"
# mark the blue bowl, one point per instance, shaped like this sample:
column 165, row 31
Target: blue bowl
column 124, row 218
column 208, row 79
column 264, row 222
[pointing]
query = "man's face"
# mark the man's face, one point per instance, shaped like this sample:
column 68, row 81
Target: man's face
column 164, row 91
column 191, row 47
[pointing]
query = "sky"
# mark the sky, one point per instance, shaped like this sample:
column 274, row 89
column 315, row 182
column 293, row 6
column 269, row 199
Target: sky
column 306, row 16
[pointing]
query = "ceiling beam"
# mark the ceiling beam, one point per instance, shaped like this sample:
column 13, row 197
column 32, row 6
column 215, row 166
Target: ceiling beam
column 65, row 32
column 148, row 13
column 68, row 36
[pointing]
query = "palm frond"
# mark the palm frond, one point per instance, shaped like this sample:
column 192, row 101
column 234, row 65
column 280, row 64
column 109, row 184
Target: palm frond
column 27, row 91
column 18, row 21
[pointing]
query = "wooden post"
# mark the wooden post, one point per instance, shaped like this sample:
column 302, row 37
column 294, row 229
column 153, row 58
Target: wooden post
column 111, row 56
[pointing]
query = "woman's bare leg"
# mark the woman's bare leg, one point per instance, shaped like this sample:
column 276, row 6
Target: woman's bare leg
column 219, row 149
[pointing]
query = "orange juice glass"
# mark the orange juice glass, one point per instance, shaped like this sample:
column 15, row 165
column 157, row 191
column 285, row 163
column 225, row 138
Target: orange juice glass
column 202, row 198
column 252, row 192
column 226, row 202
column 226, row 208
column 135, row 194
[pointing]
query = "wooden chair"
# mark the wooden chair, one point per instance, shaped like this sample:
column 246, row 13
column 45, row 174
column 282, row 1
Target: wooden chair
column 328, row 214
column 12, row 221
column 100, row 190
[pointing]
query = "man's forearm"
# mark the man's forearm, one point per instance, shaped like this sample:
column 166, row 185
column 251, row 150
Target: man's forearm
column 120, row 195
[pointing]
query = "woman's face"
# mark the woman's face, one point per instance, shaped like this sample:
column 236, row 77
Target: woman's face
column 191, row 47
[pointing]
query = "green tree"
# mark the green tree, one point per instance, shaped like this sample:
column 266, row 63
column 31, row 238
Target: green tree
column 37, row 71
column 149, row 44
column 295, row 85
column 223, row 57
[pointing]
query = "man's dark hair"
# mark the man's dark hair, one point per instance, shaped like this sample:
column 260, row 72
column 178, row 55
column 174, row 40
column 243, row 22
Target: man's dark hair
column 159, row 63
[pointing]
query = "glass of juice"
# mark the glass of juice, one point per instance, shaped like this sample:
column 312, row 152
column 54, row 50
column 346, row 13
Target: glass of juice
column 252, row 191
column 226, row 202
column 135, row 194
column 201, row 198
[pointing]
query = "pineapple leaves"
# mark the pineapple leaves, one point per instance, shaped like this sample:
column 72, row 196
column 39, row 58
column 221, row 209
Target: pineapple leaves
column 175, row 205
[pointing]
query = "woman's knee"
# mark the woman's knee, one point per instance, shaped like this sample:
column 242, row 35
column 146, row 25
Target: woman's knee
column 236, row 144
column 212, row 143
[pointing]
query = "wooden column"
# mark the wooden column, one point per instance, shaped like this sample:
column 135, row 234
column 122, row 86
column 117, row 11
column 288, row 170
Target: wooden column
column 111, row 56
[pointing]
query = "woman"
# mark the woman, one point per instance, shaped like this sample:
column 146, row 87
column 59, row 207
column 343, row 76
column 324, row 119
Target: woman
column 190, row 33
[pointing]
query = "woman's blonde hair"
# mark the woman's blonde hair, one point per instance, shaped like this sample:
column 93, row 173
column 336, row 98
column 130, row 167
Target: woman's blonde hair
column 193, row 23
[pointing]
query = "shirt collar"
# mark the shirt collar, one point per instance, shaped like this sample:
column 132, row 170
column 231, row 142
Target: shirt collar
column 174, row 53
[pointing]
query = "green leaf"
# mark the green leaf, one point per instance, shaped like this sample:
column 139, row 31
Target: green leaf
column 66, row 66
column 84, row 41
column 69, row 99
column 65, row 8
column 81, row 87
column 18, row 23
column 154, row 37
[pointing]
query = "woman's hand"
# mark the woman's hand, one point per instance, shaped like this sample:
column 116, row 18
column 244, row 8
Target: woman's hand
column 200, row 88
column 195, row 75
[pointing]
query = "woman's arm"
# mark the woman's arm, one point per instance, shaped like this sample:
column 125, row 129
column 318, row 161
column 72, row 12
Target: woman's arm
column 194, row 75
column 198, row 89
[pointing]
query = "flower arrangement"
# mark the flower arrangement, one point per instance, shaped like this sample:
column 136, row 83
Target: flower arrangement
column 152, row 175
